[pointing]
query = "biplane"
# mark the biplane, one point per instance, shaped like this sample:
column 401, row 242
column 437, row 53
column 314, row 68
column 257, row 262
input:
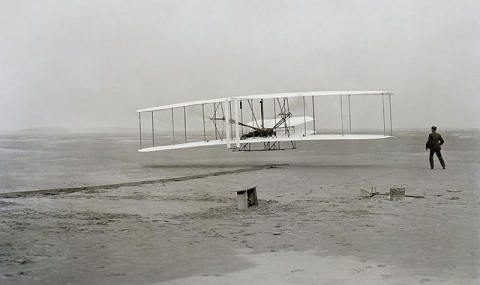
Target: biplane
column 267, row 120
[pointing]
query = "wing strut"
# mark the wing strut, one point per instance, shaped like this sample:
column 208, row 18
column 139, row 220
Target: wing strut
column 140, row 125
column 153, row 131
column 227, row 127
column 237, row 129
column 390, row 105
column 314, row 117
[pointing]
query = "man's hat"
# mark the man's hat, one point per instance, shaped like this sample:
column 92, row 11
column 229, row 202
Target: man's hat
column 434, row 128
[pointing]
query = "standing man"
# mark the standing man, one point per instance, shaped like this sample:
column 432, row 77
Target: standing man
column 434, row 143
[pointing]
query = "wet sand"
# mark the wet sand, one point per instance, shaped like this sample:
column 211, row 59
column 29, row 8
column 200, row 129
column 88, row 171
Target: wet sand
column 313, row 225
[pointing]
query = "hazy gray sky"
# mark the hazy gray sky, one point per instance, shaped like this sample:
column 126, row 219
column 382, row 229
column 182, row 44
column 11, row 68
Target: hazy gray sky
column 88, row 64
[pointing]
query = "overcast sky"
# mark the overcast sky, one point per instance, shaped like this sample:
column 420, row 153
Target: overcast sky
column 92, row 64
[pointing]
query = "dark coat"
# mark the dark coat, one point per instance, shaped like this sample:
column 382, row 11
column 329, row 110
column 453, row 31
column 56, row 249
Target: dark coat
column 435, row 141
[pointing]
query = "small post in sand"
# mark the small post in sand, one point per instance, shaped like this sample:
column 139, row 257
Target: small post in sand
column 247, row 198
column 397, row 193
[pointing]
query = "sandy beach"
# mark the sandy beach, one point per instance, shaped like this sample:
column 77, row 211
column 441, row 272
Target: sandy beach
column 313, row 224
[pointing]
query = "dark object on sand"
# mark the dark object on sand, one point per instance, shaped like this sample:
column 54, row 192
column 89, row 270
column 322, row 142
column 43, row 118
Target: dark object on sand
column 371, row 194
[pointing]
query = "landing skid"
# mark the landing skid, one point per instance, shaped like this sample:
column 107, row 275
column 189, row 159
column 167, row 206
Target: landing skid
column 266, row 146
